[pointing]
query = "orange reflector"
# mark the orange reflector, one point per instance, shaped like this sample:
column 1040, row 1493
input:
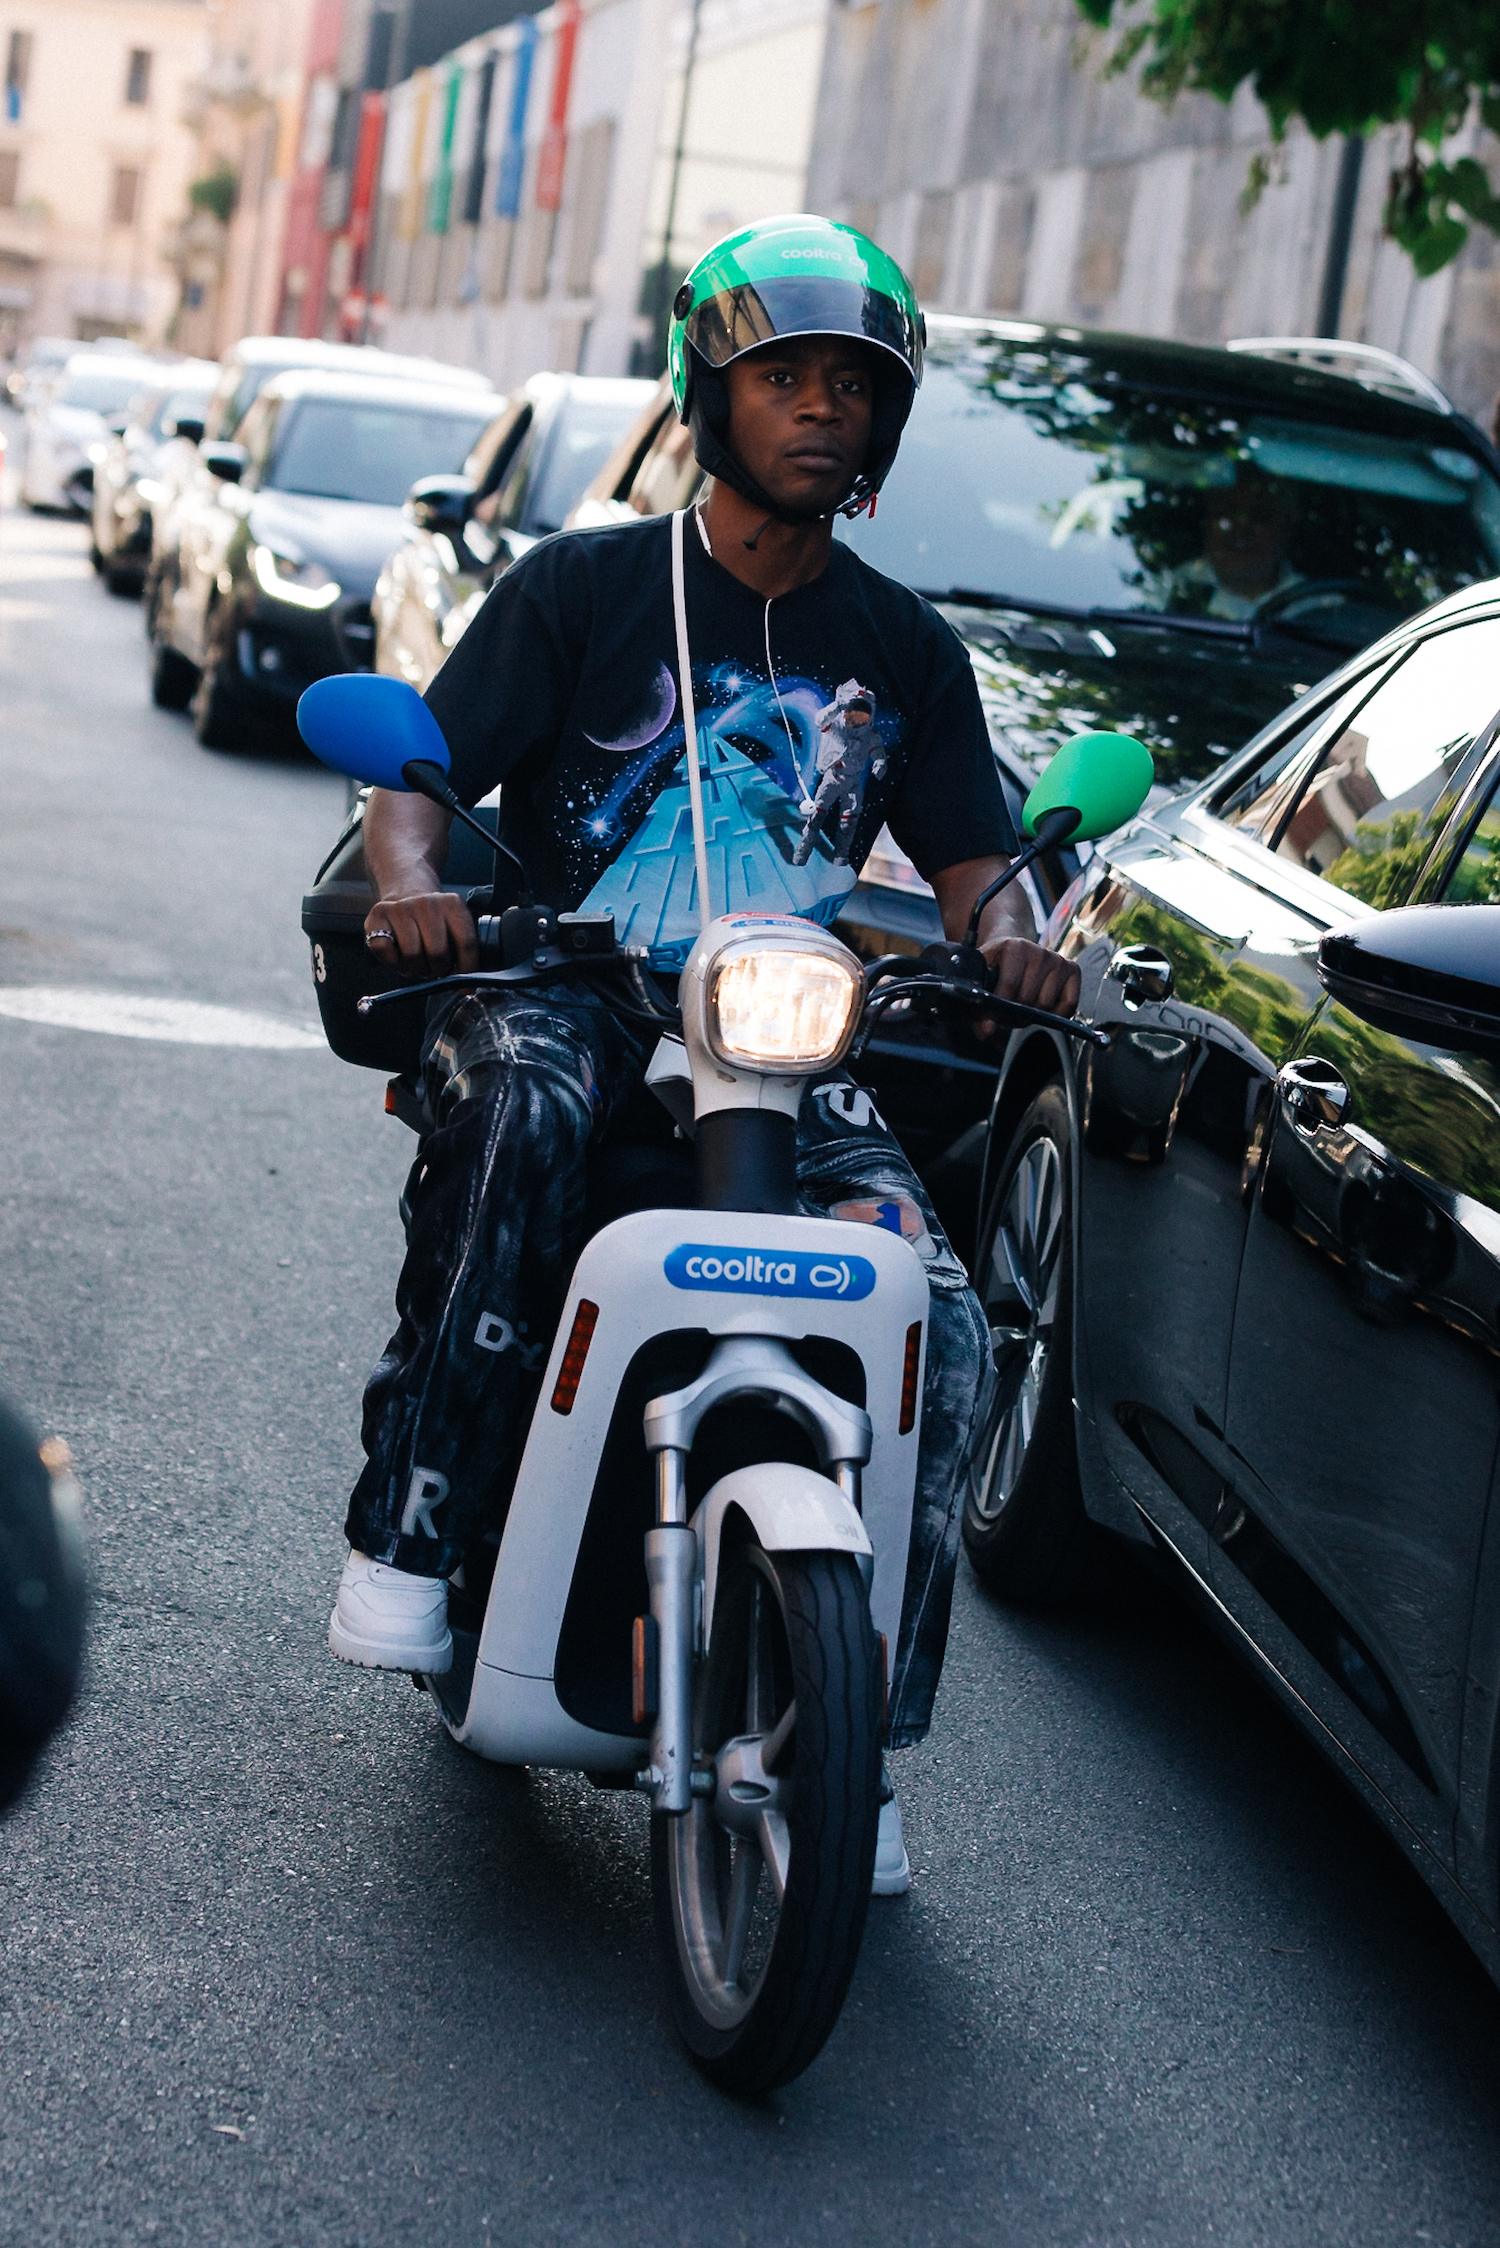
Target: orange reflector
column 570, row 1373
column 908, row 1420
column 390, row 1098
column 643, row 1668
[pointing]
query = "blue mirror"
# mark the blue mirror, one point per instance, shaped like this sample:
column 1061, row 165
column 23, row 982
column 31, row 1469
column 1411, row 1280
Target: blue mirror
column 370, row 727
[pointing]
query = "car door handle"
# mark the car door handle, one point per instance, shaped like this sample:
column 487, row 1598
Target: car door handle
column 1145, row 973
column 1316, row 1096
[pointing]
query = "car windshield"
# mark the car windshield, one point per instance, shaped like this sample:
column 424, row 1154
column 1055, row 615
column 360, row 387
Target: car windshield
column 345, row 449
column 586, row 432
column 174, row 405
column 99, row 389
column 1045, row 476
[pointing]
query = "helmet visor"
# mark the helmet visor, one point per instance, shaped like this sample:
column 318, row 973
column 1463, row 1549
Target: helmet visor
column 801, row 304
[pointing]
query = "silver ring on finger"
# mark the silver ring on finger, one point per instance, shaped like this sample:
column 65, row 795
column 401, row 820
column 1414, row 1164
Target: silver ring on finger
column 374, row 936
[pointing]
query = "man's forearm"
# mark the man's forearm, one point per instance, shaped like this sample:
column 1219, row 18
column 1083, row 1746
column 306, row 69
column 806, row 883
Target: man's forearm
column 406, row 843
column 414, row 926
column 957, row 887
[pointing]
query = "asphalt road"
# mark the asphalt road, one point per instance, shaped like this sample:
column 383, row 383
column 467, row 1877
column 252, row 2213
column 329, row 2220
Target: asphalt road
column 281, row 1966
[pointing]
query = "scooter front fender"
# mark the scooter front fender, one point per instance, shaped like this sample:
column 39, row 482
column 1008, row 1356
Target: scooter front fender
column 790, row 1509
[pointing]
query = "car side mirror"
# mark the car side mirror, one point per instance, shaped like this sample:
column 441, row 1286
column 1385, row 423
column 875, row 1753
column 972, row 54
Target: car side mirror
column 227, row 462
column 440, row 504
column 189, row 426
column 1427, row 972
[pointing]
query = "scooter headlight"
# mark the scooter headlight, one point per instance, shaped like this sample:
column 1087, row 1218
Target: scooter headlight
column 777, row 1008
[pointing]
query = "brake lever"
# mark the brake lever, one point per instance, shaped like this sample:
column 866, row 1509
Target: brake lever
column 548, row 961
column 1005, row 1010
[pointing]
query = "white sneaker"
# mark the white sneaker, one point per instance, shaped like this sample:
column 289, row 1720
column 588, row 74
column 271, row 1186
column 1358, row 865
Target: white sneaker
column 388, row 1619
column 892, row 1866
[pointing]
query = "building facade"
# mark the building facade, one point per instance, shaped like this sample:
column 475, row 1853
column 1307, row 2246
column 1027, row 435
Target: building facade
column 95, row 163
column 538, row 187
column 983, row 144
column 246, row 111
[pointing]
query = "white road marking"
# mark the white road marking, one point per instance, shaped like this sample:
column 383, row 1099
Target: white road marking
column 131, row 1014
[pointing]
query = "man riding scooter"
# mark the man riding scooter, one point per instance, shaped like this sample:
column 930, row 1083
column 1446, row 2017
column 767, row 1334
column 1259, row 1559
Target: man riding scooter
column 796, row 349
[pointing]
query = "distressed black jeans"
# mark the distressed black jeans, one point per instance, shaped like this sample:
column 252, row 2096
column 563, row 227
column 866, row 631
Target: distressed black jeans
column 525, row 1087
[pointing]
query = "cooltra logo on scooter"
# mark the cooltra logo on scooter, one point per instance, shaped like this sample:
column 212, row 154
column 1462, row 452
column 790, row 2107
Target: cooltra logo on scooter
column 752, row 1272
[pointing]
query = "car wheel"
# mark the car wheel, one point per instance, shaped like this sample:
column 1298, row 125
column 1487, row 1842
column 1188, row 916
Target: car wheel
column 1024, row 1525
column 173, row 678
column 218, row 708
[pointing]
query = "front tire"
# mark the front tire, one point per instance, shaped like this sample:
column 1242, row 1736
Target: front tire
column 173, row 678
column 218, row 706
column 761, row 1891
column 1024, row 1525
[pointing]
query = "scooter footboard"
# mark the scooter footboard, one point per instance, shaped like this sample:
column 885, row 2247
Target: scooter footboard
column 720, row 1273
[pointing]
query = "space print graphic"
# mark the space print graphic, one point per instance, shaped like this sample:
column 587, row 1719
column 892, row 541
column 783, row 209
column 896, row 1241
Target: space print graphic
column 849, row 747
column 784, row 767
column 842, row 705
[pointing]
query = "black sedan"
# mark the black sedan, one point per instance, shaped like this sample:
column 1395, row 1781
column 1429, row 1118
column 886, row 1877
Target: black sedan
column 276, row 559
column 1242, row 1268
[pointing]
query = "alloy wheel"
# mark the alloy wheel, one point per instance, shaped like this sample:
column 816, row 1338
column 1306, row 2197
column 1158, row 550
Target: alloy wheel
column 732, row 1851
column 1022, row 1276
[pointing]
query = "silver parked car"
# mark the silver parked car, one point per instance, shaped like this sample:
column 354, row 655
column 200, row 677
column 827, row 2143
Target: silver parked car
column 135, row 466
column 62, row 423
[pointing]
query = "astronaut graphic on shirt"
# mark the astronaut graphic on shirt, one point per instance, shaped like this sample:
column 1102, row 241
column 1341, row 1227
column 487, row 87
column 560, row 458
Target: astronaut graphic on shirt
column 849, row 749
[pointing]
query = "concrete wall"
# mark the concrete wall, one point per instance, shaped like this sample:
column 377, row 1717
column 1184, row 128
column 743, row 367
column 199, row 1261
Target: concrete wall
column 980, row 141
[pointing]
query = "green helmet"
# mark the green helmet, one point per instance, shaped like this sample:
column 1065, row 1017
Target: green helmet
column 794, row 276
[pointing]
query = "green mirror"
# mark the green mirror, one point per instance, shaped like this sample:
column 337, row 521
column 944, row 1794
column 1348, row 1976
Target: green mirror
column 1102, row 777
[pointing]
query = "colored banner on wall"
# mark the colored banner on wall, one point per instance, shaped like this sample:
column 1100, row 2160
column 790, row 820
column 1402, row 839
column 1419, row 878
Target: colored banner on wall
column 440, row 199
column 366, row 169
column 549, row 169
column 513, row 149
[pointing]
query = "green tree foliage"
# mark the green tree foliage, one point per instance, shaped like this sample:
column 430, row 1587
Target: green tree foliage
column 1341, row 66
column 216, row 191
column 1384, row 861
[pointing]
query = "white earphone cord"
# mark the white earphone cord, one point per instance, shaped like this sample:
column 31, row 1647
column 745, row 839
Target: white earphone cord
column 690, row 720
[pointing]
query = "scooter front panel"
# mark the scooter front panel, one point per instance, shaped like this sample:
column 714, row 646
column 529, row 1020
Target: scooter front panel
column 657, row 1271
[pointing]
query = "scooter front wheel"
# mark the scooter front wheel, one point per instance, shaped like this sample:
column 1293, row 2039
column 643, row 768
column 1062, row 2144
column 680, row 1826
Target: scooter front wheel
column 761, row 1889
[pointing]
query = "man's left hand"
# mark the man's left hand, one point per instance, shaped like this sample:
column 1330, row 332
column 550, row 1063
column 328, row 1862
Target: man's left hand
column 1030, row 973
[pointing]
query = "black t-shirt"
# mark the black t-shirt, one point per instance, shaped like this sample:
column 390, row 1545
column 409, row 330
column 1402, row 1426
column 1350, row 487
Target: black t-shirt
column 822, row 715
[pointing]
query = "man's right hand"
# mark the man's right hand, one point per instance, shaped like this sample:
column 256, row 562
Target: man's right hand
column 417, row 927
column 423, row 933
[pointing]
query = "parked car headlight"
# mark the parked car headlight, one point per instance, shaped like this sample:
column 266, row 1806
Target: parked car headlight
column 306, row 584
column 792, row 1010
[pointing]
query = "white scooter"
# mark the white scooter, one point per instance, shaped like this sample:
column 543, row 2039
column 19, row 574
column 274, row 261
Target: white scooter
column 700, row 1578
